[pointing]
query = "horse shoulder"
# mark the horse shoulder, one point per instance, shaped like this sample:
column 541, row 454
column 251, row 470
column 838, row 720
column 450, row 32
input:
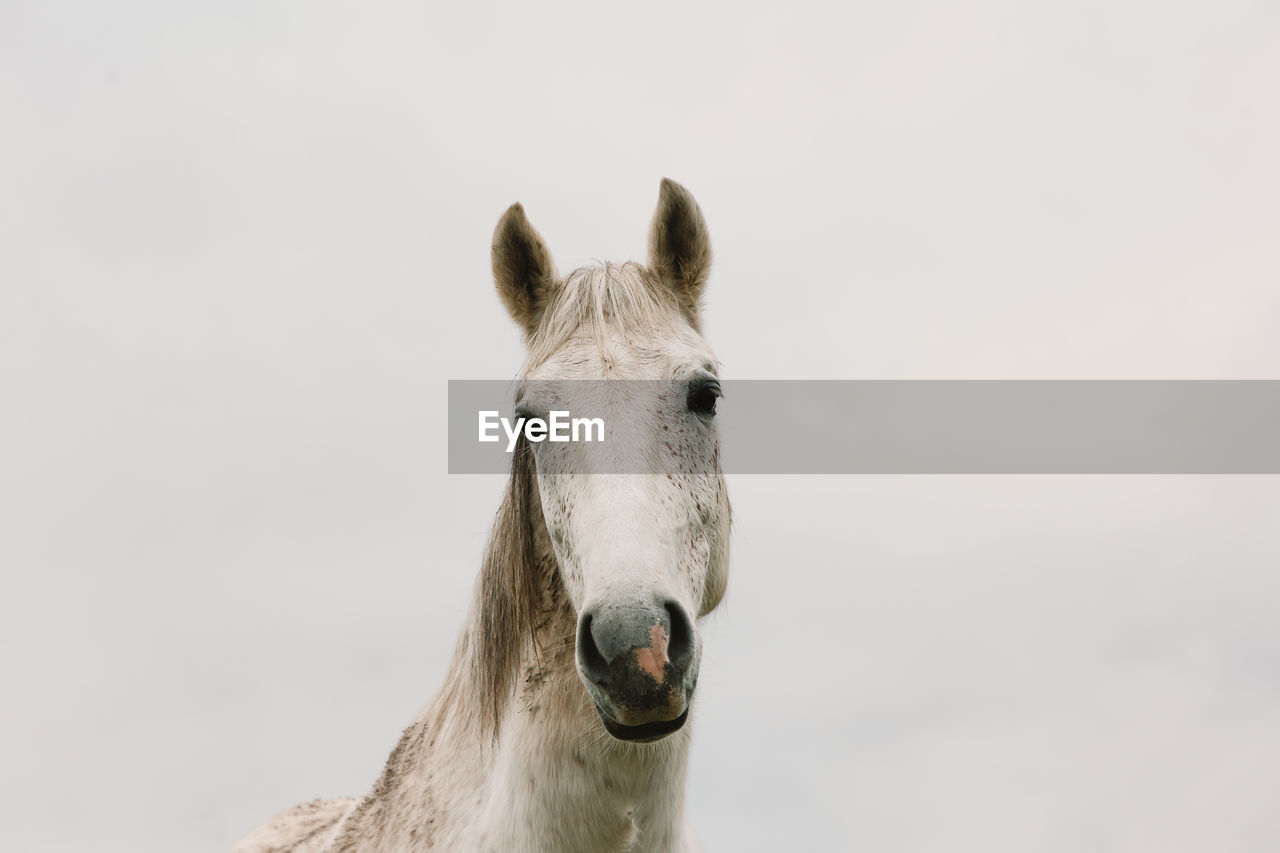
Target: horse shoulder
column 308, row 828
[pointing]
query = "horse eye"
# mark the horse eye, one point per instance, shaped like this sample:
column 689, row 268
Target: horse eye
column 702, row 398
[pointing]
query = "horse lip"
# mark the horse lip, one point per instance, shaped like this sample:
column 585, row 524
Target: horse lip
column 645, row 732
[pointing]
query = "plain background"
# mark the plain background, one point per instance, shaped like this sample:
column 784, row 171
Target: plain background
column 244, row 244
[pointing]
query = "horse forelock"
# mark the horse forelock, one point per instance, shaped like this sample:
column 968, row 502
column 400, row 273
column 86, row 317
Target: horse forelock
column 591, row 302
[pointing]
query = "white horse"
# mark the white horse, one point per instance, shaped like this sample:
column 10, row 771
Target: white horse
column 562, row 724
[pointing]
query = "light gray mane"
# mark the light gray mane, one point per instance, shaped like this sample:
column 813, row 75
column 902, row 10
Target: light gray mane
column 519, row 593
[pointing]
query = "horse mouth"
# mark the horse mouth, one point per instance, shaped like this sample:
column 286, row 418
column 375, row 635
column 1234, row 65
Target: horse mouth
column 645, row 732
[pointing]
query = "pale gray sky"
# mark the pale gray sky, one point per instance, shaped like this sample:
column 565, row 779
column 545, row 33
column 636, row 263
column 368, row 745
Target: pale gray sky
column 244, row 244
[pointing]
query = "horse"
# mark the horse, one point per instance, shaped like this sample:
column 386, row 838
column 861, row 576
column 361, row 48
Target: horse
column 563, row 721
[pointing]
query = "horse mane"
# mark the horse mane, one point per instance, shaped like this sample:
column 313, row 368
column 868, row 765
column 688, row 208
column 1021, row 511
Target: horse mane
column 512, row 592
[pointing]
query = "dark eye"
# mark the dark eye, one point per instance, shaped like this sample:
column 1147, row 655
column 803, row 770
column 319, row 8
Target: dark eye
column 703, row 394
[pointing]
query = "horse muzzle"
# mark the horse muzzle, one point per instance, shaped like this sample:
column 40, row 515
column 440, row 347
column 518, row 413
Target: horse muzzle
column 639, row 664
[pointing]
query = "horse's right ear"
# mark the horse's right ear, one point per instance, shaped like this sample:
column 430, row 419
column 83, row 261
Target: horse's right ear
column 522, row 268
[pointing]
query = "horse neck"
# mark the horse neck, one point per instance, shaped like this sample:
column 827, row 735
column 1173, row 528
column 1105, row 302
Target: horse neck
column 558, row 777
column 552, row 778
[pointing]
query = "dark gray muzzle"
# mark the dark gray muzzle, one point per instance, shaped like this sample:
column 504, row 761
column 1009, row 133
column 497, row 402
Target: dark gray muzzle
column 638, row 662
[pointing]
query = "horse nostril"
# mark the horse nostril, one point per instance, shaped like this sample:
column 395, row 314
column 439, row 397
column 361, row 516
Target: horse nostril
column 680, row 645
column 589, row 657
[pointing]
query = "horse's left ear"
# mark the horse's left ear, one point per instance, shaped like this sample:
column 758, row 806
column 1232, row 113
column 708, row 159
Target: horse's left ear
column 679, row 246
